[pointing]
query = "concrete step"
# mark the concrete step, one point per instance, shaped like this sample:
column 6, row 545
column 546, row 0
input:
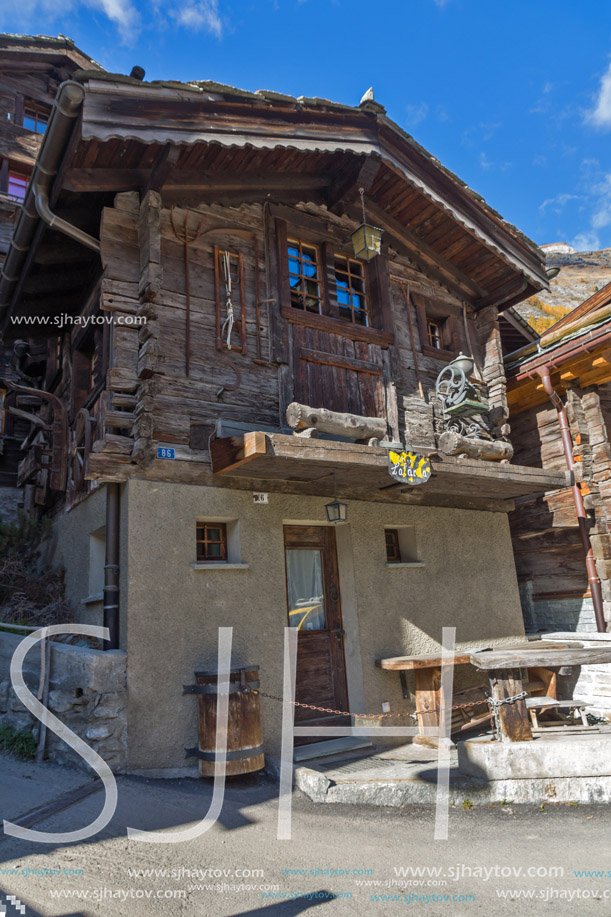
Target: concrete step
column 326, row 749
column 408, row 775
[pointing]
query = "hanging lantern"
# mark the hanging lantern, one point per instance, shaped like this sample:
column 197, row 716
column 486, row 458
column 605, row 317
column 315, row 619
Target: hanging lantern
column 336, row 511
column 367, row 239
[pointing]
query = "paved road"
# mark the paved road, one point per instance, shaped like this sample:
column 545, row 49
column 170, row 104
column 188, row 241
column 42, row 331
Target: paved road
column 232, row 868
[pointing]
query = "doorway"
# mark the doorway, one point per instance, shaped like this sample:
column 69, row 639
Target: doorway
column 314, row 608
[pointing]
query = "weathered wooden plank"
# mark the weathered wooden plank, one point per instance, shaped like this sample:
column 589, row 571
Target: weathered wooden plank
column 515, row 659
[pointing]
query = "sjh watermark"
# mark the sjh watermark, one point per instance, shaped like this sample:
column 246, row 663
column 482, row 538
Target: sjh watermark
column 289, row 732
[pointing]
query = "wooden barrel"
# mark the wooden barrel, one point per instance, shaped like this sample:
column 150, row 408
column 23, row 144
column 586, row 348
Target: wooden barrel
column 244, row 734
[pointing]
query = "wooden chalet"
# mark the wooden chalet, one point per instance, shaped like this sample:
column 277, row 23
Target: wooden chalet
column 31, row 71
column 568, row 370
column 227, row 372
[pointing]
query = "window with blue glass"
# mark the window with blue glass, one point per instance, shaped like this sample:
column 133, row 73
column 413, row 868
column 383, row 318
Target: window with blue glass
column 304, row 276
column 35, row 119
column 351, row 295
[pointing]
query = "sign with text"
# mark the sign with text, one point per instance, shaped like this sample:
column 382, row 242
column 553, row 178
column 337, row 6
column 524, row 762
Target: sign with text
column 409, row 467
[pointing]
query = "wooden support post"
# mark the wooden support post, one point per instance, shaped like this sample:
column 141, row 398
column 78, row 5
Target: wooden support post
column 428, row 694
column 513, row 721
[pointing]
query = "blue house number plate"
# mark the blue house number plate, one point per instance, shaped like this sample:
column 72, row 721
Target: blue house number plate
column 165, row 453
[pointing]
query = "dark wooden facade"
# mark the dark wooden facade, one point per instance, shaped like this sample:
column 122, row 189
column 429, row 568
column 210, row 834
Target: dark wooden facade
column 243, row 176
column 31, row 70
column 547, row 544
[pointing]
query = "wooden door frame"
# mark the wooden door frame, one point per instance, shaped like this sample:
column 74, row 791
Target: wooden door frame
column 322, row 537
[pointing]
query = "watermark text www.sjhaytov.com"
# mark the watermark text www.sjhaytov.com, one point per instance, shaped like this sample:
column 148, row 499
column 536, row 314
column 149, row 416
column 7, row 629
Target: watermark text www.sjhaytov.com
column 63, row 320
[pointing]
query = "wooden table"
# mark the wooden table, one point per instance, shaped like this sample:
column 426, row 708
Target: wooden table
column 502, row 665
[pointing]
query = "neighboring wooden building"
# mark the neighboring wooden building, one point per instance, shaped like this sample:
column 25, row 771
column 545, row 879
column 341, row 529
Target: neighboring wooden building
column 31, row 71
column 556, row 592
column 213, row 282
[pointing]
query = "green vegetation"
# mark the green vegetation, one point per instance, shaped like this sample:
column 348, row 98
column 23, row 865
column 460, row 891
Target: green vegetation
column 17, row 742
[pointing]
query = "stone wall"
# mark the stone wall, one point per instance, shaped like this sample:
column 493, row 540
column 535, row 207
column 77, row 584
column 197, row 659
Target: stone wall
column 574, row 614
column 88, row 692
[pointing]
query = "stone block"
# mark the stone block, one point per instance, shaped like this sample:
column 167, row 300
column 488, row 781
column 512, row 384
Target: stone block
column 97, row 732
column 108, row 712
column 544, row 757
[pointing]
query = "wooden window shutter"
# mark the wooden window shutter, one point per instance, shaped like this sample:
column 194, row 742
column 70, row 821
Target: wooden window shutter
column 450, row 334
column 378, row 294
column 19, row 109
column 420, row 306
column 327, row 278
column 284, row 286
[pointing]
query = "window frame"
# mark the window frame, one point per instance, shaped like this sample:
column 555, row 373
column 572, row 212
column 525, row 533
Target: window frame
column 223, row 542
column 319, row 263
column 35, row 113
column 310, row 231
column 446, row 317
column 364, row 293
column 396, row 545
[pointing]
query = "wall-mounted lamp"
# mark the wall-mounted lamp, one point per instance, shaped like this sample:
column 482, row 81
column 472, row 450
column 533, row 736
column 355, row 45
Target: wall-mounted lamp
column 336, row 511
column 367, row 239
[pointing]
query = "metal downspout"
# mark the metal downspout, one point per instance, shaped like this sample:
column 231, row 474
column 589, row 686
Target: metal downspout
column 567, row 444
column 111, row 565
column 35, row 207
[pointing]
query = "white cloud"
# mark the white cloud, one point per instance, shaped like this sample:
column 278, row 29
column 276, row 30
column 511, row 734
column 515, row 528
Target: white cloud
column 600, row 115
column 559, row 202
column 33, row 13
column 121, row 12
column 416, row 113
column 200, row 14
column 486, row 164
column 39, row 15
column 586, row 242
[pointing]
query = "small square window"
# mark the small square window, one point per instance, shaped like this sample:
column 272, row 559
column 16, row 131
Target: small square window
column 35, row 120
column 402, row 547
column 211, row 541
column 393, row 548
column 304, row 276
column 434, row 335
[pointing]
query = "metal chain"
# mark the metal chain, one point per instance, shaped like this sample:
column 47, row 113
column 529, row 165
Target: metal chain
column 507, row 700
column 381, row 716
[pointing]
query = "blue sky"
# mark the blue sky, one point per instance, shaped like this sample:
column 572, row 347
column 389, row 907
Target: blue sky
column 513, row 97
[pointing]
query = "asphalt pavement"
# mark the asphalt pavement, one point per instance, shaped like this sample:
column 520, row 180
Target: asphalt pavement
column 339, row 860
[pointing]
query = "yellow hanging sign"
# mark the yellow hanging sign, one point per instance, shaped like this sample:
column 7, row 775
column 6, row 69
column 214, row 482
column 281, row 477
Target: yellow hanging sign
column 409, row 467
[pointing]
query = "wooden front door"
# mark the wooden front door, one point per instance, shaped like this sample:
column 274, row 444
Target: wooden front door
column 314, row 608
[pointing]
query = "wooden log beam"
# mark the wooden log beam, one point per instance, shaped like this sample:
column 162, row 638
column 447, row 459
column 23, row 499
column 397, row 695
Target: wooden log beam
column 165, row 176
column 303, row 417
column 454, row 444
column 346, row 186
